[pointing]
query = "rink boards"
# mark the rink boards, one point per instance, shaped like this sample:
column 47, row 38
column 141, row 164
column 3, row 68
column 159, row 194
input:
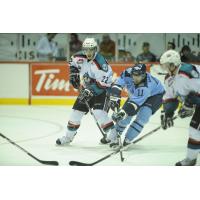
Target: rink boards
column 35, row 83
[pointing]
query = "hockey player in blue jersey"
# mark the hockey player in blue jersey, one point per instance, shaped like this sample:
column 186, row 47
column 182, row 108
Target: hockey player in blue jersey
column 182, row 84
column 145, row 98
column 92, row 75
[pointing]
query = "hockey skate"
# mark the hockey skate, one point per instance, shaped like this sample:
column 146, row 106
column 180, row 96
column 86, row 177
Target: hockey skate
column 63, row 140
column 115, row 144
column 66, row 139
column 186, row 162
column 126, row 142
column 105, row 140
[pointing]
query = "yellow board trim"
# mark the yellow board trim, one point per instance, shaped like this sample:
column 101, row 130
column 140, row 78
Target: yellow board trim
column 52, row 101
column 21, row 101
column 10, row 101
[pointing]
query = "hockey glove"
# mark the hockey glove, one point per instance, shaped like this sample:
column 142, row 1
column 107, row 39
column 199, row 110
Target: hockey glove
column 75, row 81
column 120, row 115
column 114, row 103
column 166, row 120
column 186, row 111
column 74, row 78
column 86, row 95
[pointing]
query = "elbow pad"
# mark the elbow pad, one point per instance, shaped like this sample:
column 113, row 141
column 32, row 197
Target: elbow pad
column 116, row 91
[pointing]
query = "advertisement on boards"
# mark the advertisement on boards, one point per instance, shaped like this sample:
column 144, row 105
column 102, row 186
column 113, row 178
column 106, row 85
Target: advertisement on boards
column 52, row 79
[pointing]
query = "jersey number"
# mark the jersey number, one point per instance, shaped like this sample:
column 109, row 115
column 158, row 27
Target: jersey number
column 105, row 79
column 140, row 93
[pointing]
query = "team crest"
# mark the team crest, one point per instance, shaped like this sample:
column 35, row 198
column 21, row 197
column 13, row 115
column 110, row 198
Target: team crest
column 104, row 67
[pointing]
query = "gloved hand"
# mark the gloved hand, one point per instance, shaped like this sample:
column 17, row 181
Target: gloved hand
column 166, row 120
column 114, row 103
column 86, row 94
column 74, row 79
column 186, row 111
column 120, row 115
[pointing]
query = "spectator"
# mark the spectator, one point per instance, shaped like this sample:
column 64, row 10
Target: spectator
column 75, row 44
column 198, row 56
column 146, row 55
column 125, row 56
column 46, row 47
column 171, row 46
column 107, row 47
column 187, row 56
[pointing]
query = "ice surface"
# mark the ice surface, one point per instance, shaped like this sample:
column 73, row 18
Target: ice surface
column 36, row 129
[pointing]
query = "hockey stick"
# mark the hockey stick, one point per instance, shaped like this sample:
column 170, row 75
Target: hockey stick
column 104, row 135
column 119, row 139
column 90, row 110
column 121, row 146
column 40, row 161
column 77, row 163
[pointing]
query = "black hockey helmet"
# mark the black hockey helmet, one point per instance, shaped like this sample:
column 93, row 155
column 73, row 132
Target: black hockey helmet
column 138, row 69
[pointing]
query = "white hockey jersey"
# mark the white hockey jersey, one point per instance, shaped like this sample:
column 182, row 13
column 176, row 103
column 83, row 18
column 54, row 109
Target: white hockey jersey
column 186, row 80
column 170, row 94
column 96, row 71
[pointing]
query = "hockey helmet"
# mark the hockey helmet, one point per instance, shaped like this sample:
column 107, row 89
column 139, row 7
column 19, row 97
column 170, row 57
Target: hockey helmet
column 89, row 47
column 170, row 56
column 138, row 73
column 138, row 69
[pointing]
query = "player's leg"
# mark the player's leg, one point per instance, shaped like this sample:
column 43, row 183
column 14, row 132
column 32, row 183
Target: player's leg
column 120, row 126
column 118, row 129
column 145, row 112
column 79, row 110
column 101, row 114
column 193, row 147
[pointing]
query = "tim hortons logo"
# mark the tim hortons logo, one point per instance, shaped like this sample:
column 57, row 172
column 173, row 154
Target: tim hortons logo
column 47, row 80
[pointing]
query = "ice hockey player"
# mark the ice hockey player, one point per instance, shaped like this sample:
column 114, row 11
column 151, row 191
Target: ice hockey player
column 89, row 71
column 182, row 85
column 145, row 98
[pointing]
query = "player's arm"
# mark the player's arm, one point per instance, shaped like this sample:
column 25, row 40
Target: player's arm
column 115, row 95
column 170, row 103
column 139, row 97
column 132, row 105
column 187, row 93
column 74, row 77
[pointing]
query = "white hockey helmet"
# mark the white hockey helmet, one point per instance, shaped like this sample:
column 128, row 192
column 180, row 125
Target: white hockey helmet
column 89, row 47
column 171, row 57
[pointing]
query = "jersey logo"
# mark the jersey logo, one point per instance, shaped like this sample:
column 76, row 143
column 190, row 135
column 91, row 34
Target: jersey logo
column 104, row 67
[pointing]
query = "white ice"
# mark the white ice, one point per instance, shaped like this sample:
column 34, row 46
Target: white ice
column 36, row 129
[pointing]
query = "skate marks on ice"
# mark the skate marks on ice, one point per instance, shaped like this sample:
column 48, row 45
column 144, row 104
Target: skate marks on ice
column 33, row 123
column 38, row 128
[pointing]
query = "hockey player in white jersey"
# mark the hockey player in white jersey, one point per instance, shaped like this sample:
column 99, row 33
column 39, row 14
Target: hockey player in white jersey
column 145, row 98
column 182, row 84
column 92, row 75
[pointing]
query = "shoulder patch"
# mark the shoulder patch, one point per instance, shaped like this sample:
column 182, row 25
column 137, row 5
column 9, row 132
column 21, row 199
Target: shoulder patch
column 125, row 73
column 104, row 67
column 189, row 70
column 101, row 62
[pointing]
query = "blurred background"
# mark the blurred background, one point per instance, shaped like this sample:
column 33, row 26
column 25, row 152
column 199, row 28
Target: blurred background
column 116, row 47
column 34, row 71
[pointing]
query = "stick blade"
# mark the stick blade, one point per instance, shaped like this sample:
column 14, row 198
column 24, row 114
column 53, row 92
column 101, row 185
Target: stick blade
column 54, row 163
column 76, row 163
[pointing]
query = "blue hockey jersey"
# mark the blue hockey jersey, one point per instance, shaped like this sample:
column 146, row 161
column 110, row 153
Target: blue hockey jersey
column 138, row 94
